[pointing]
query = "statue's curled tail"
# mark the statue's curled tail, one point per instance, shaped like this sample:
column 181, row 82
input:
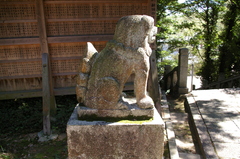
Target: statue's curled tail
column 84, row 71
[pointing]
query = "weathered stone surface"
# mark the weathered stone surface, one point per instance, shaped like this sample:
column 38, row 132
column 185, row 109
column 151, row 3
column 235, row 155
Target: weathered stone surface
column 44, row 138
column 112, row 140
column 128, row 53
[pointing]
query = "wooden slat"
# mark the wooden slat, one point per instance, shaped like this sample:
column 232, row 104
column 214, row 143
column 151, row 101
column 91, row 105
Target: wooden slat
column 19, row 41
column 16, row 2
column 20, row 60
column 21, row 76
column 68, row 39
column 67, row 58
column 82, row 19
column 35, row 93
column 59, row 39
column 37, row 75
column 39, row 93
column 94, row 1
column 19, row 21
column 65, row 74
column 65, row 91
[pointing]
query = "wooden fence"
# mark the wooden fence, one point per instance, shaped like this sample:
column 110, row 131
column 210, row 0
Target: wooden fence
column 42, row 42
column 57, row 30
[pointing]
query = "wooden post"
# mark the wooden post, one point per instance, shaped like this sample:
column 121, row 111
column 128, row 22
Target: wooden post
column 46, row 95
column 47, row 85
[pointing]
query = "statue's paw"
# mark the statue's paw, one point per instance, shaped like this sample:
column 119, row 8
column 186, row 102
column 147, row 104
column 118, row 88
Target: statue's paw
column 122, row 105
column 146, row 103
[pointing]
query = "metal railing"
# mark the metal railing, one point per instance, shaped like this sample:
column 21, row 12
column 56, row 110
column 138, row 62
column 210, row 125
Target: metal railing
column 230, row 82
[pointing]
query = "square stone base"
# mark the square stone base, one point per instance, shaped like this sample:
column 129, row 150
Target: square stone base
column 115, row 140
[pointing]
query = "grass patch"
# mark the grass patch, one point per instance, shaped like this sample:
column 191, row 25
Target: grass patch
column 177, row 104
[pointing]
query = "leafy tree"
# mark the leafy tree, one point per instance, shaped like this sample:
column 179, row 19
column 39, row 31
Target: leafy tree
column 229, row 49
column 207, row 11
column 209, row 28
column 169, row 39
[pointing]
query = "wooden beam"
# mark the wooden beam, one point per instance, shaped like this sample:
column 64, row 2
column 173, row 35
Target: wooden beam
column 47, row 86
column 41, row 26
column 44, row 48
column 20, row 94
column 19, row 41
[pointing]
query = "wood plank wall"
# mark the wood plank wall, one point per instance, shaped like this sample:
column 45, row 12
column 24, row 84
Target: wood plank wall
column 68, row 26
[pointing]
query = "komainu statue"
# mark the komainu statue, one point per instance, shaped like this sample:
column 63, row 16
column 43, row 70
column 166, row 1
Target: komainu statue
column 102, row 75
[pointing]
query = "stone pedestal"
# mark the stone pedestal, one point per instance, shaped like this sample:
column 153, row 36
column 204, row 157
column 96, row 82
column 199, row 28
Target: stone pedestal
column 115, row 140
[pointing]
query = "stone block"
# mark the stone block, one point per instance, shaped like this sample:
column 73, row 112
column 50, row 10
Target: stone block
column 115, row 140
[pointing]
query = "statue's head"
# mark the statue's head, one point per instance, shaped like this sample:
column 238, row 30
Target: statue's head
column 135, row 31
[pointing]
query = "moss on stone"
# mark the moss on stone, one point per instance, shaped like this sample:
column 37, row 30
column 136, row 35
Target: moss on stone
column 129, row 119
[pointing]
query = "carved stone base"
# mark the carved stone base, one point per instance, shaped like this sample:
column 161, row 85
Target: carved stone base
column 133, row 112
column 128, row 139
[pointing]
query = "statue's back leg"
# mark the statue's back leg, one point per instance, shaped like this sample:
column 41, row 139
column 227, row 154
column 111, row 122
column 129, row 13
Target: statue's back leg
column 106, row 94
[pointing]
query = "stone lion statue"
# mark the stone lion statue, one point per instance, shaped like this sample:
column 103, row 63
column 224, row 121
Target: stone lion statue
column 102, row 75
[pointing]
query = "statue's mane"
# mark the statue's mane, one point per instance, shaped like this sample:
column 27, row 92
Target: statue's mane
column 133, row 30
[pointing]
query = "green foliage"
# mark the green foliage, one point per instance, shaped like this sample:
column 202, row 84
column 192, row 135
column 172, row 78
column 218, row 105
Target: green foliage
column 25, row 115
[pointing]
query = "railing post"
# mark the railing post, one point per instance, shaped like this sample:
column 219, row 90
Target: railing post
column 183, row 71
column 153, row 86
column 167, row 79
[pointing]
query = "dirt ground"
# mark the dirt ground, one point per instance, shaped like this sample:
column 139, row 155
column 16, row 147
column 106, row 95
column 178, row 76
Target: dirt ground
column 27, row 146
